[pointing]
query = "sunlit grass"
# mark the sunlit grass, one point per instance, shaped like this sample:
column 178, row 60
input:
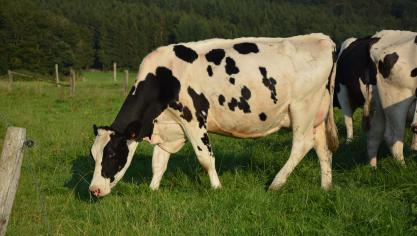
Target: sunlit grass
column 361, row 202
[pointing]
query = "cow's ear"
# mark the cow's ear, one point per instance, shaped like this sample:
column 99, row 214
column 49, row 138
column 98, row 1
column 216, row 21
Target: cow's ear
column 132, row 131
column 95, row 129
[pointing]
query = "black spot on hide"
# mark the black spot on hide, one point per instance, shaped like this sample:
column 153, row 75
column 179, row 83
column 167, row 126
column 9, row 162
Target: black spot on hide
column 185, row 53
column 262, row 116
column 414, row 72
column 221, row 100
column 386, row 66
column 186, row 113
column 231, row 66
column 216, row 56
column 201, row 106
column 246, row 48
column 269, row 83
column 242, row 104
column 209, row 71
column 206, row 141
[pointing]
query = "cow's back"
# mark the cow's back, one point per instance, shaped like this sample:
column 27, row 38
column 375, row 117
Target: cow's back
column 249, row 94
column 395, row 56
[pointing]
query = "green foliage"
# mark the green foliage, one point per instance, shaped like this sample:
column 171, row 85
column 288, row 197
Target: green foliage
column 362, row 201
column 35, row 34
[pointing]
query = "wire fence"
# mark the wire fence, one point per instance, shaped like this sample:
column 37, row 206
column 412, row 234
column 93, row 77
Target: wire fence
column 35, row 176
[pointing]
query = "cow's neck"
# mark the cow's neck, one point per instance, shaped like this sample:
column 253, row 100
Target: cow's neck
column 147, row 101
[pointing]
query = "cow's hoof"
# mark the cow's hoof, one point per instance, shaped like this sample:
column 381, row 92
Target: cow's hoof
column 216, row 187
column 402, row 163
column 275, row 186
column 153, row 188
column 372, row 163
column 349, row 140
column 326, row 187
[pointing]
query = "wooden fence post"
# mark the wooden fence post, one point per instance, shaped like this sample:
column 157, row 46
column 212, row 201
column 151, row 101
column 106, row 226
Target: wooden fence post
column 57, row 76
column 72, row 82
column 10, row 79
column 10, row 164
column 126, row 84
column 114, row 71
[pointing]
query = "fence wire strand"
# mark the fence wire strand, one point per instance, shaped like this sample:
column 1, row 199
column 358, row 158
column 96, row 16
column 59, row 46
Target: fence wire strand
column 35, row 177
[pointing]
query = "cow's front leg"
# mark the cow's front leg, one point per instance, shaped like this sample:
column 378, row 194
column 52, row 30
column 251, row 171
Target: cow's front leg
column 202, row 147
column 160, row 159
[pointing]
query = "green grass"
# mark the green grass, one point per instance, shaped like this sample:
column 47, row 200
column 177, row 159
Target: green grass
column 361, row 202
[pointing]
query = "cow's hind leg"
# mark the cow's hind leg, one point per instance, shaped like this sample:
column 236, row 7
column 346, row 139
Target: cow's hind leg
column 347, row 110
column 395, row 128
column 160, row 159
column 325, row 156
column 302, row 123
column 202, row 147
column 376, row 131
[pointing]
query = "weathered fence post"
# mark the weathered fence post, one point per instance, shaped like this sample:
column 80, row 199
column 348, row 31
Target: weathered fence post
column 10, row 164
column 72, row 82
column 126, row 84
column 114, row 71
column 10, row 79
column 57, row 76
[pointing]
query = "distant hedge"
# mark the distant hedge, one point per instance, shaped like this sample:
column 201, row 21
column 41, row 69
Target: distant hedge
column 34, row 35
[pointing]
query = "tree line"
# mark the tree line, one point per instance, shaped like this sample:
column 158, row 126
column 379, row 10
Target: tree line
column 36, row 34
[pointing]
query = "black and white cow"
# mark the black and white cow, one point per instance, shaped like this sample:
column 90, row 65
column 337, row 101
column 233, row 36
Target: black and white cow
column 246, row 88
column 395, row 59
column 353, row 79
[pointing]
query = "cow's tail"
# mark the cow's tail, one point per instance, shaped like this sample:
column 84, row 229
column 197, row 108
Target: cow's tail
column 331, row 128
column 366, row 122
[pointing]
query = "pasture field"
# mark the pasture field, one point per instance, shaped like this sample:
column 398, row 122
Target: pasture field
column 361, row 202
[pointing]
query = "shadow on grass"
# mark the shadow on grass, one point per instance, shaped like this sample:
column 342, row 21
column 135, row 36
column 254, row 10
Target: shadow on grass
column 184, row 162
column 246, row 159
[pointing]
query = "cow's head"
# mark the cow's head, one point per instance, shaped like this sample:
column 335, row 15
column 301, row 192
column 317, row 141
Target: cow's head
column 112, row 153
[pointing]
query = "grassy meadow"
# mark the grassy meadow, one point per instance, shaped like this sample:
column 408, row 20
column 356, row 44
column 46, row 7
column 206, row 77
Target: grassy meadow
column 361, row 202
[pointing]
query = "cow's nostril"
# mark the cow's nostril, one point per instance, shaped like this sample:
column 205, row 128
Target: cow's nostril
column 95, row 191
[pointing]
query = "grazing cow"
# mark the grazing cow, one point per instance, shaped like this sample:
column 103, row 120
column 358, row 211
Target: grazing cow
column 246, row 88
column 394, row 57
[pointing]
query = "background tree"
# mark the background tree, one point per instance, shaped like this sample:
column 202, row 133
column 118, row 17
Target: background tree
column 36, row 34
